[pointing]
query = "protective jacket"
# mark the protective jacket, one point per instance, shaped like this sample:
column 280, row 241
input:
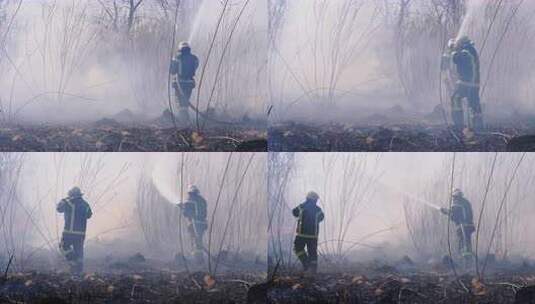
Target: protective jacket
column 76, row 211
column 184, row 65
column 309, row 217
column 461, row 214
column 466, row 60
column 195, row 209
column 461, row 211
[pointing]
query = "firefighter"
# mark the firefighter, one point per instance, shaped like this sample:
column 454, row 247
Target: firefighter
column 462, row 216
column 194, row 210
column 183, row 68
column 466, row 61
column 309, row 217
column 76, row 211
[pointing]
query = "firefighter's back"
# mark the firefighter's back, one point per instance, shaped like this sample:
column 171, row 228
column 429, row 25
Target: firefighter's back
column 310, row 215
column 187, row 65
column 76, row 212
column 462, row 211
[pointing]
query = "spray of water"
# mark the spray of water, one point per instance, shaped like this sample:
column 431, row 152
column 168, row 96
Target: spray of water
column 197, row 21
column 164, row 178
column 473, row 7
column 412, row 198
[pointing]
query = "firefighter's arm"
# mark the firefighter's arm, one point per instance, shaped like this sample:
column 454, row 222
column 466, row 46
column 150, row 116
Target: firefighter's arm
column 89, row 212
column 196, row 64
column 187, row 210
column 173, row 68
column 182, row 208
column 61, row 206
column 321, row 216
column 295, row 211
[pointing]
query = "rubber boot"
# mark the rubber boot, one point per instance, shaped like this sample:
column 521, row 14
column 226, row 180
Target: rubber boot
column 303, row 258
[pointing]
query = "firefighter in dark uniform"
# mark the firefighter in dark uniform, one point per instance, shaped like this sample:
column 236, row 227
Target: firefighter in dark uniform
column 309, row 216
column 195, row 211
column 466, row 60
column 183, row 68
column 76, row 211
column 462, row 216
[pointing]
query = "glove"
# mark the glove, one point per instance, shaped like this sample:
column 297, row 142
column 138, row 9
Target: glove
column 444, row 210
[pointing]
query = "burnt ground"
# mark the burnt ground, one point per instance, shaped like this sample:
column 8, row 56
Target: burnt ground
column 398, row 137
column 123, row 138
column 137, row 287
column 133, row 279
column 137, row 280
column 389, row 286
column 411, row 288
column 125, row 133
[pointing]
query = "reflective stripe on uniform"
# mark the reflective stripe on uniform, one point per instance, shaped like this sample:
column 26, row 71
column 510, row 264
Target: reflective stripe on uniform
column 308, row 236
column 300, row 253
column 70, row 229
column 74, row 232
column 300, row 221
column 73, row 214
column 300, row 224
column 462, row 227
column 468, row 84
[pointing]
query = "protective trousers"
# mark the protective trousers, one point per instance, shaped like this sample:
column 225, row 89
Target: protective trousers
column 183, row 91
column 72, row 247
column 464, row 238
column 308, row 257
column 196, row 232
column 471, row 93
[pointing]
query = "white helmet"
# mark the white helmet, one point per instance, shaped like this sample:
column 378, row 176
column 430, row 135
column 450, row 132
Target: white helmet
column 456, row 192
column 451, row 44
column 312, row 196
column 193, row 189
column 182, row 45
column 463, row 40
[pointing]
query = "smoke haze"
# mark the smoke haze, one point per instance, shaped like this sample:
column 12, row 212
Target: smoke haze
column 69, row 61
